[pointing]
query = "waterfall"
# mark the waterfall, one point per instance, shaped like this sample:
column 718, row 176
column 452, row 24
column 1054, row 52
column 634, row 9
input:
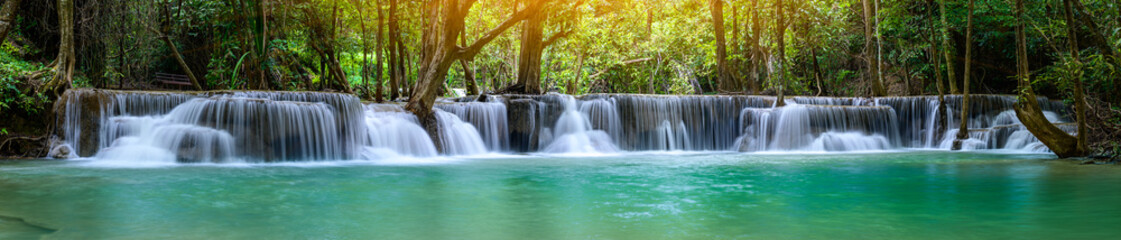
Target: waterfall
column 458, row 137
column 488, row 117
column 254, row 126
column 694, row 123
column 818, row 128
column 574, row 134
column 393, row 131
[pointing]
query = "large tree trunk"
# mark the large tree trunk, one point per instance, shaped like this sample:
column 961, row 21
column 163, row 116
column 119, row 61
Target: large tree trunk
column 395, row 62
column 871, row 57
column 378, row 70
column 963, row 130
column 946, row 49
column 440, row 52
column 1027, row 108
column 529, row 59
column 757, row 54
column 63, row 66
column 780, row 33
column 7, row 18
column 722, row 76
column 64, row 63
column 1076, row 78
column 263, row 46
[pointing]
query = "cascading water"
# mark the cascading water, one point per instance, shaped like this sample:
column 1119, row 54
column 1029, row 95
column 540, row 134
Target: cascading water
column 799, row 127
column 458, row 137
column 294, row 126
column 489, row 118
column 574, row 134
column 392, row 131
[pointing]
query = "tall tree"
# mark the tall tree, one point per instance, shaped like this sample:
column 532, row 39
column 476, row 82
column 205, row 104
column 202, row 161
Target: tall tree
column 946, row 49
column 963, row 130
column 396, row 63
column 780, row 33
column 378, row 70
column 870, row 56
column 7, row 17
column 757, row 54
column 722, row 75
column 1080, row 106
column 936, row 62
column 1027, row 107
column 529, row 59
column 365, row 47
column 445, row 21
column 533, row 45
column 63, row 65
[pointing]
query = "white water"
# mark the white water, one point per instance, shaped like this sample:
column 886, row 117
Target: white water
column 458, row 137
column 489, row 118
column 574, row 134
column 394, row 132
column 250, row 127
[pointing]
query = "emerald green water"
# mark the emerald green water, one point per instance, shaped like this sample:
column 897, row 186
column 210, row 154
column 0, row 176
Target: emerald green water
column 904, row 195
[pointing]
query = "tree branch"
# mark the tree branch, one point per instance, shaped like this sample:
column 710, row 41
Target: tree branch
column 555, row 37
column 473, row 49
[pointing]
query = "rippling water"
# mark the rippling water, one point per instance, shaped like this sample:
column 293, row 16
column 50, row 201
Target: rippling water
column 899, row 195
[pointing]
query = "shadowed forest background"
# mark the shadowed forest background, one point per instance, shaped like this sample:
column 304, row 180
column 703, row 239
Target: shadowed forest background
column 418, row 50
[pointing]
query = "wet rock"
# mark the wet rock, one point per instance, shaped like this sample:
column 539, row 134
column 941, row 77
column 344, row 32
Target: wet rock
column 522, row 117
column 62, row 151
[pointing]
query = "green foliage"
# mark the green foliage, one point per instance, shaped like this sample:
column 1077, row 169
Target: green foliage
column 14, row 94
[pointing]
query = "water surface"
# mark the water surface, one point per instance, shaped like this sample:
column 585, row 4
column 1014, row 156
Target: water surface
column 887, row 195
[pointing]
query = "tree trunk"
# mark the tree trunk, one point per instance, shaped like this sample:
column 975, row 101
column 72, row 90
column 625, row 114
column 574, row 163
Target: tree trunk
column 946, row 49
column 870, row 57
column 722, row 78
column 941, row 127
column 7, row 18
column 64, row 63
column 441, row 52
column 469, row 79
column 780, row 33
column 395, row 62
column 1080, row 107
column 572, row 87
column 657, row 68
column 262, row 50
column 1086, row 19
column 179, row 59
column 529, row 59
column 817, row 71
column 963, row 130
column 378, row 97
column 649, row 22
column 365, row 49
column 879, row 51
column 757, row 54
column 1027, row 108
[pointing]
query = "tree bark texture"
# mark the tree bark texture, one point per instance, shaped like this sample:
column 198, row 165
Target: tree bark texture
column 963, row 130
column 8, row 18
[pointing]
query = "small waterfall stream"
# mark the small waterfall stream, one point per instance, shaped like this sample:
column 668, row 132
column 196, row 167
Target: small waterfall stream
column 250, row 126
